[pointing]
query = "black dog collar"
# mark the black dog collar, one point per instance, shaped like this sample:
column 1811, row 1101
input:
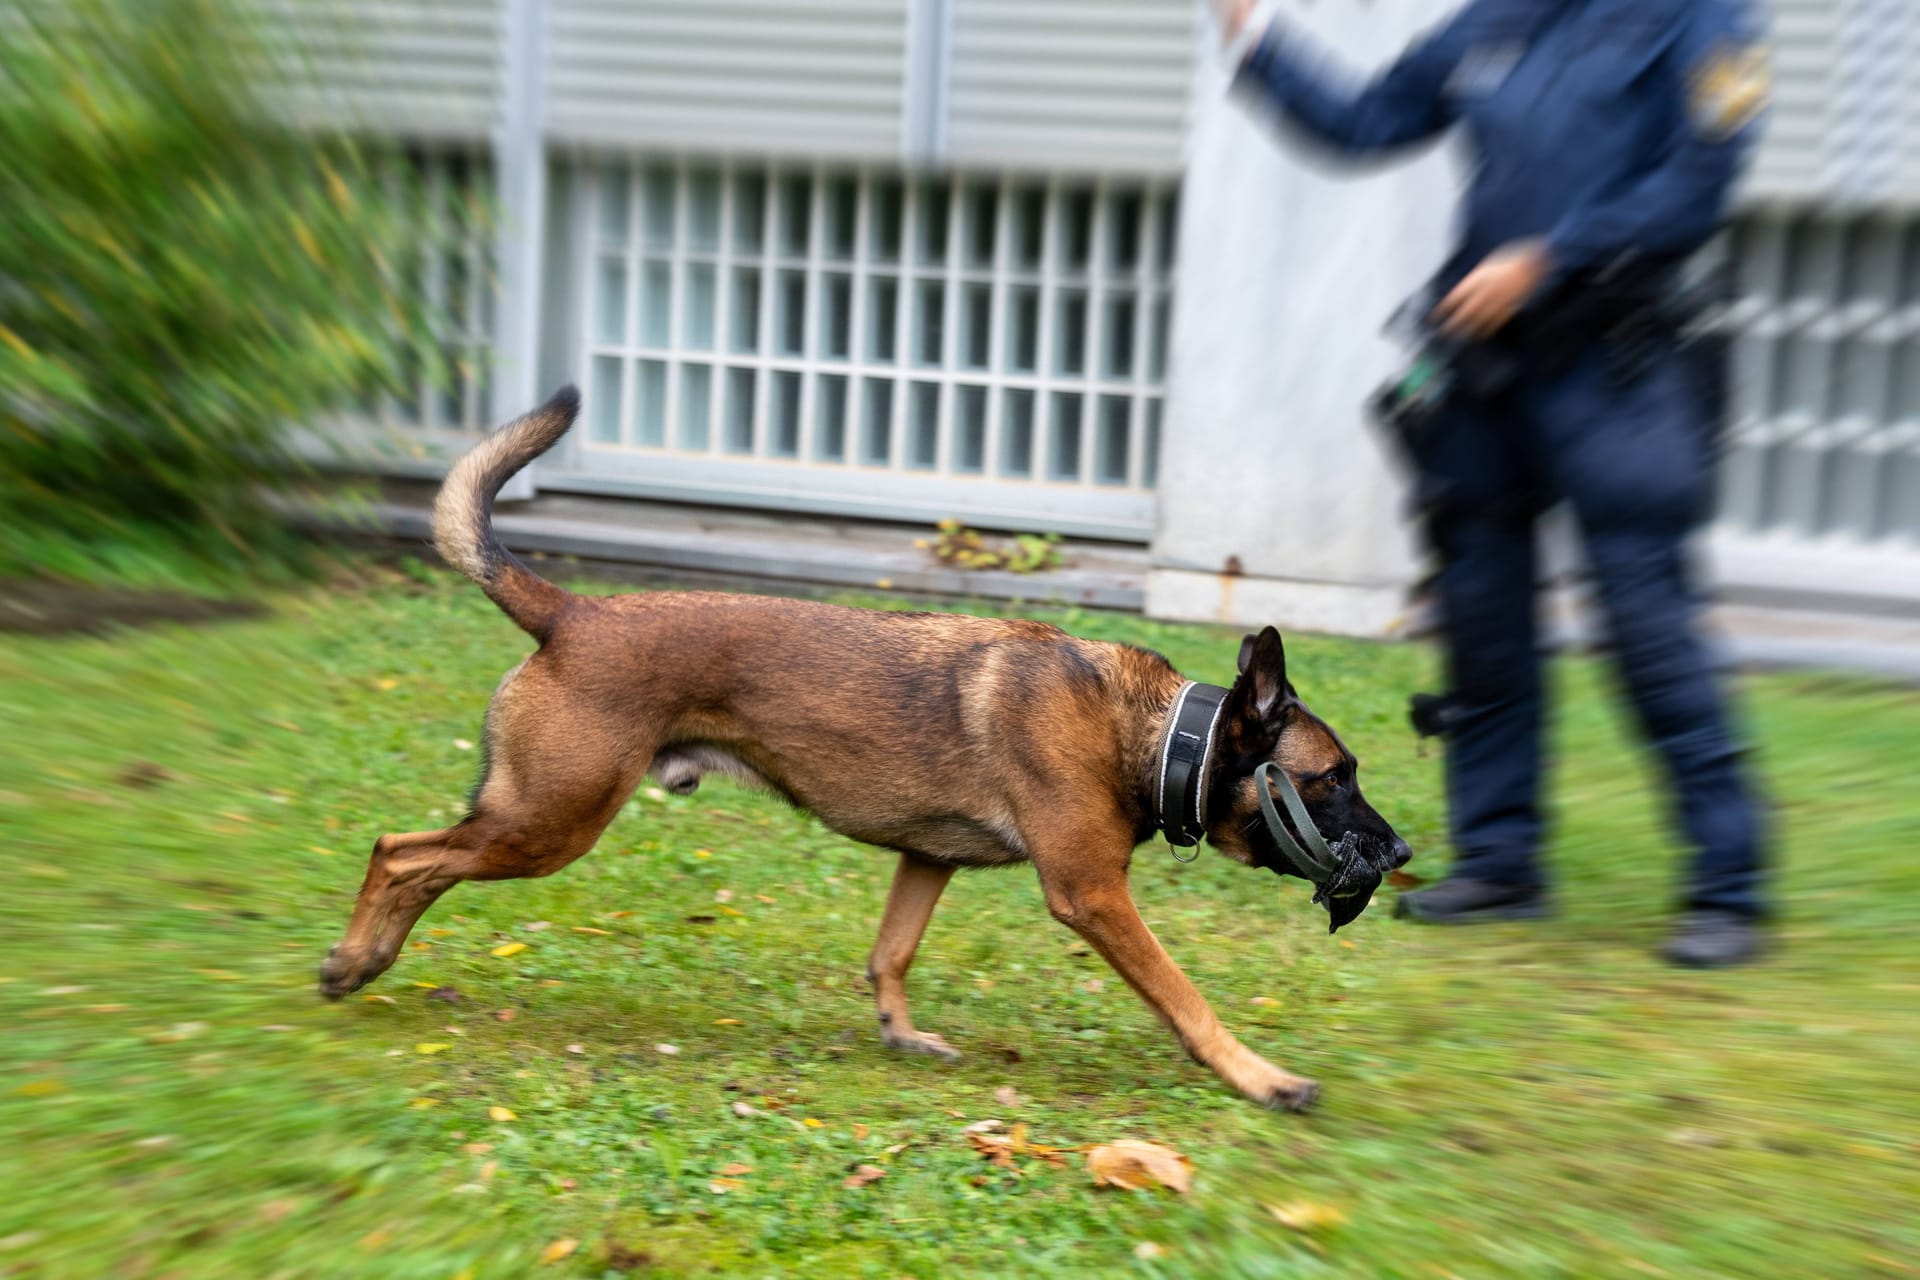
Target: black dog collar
column 1184, row 756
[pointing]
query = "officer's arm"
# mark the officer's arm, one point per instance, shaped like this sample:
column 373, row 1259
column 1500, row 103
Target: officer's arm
column 1677, row 205
column 1406, row 103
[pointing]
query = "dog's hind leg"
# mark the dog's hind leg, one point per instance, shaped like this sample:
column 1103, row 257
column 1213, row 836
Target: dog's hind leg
column 917, row 885
column 557, row 776
column 405, row 876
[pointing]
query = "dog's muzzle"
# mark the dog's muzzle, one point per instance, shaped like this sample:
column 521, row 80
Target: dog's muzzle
column 1343, row 877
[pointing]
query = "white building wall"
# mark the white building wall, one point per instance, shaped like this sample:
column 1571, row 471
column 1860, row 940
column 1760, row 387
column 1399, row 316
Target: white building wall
column 1277, row 502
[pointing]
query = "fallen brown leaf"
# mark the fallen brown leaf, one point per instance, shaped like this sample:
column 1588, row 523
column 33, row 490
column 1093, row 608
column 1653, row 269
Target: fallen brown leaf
column 1130, row 1165
column 1007, row 1096
column 860, row 1133
column 581, row 928
column 720, row 1186
column 559, row 1249
column 865, row 1174
column 743, row 1109
column 735, row 1169
column 446, row 995
column 504, row 1015
column 506, row 949
column 500, row 1115
column 996, row 1149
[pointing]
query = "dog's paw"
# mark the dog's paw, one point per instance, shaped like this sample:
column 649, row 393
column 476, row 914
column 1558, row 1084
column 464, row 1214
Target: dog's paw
column 339, row 976
column 918, row 1042
column 1293, row 1093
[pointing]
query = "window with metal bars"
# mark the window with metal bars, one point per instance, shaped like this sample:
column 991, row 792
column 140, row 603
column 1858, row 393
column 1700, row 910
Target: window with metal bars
column 447, row 270
column 1004, row 328
column 1826, row 377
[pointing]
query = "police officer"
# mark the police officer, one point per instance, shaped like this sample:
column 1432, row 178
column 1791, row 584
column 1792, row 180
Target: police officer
column 1605, row 136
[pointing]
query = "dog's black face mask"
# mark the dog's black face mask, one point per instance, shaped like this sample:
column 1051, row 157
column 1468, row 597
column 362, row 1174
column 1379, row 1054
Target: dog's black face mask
column 1264, row 721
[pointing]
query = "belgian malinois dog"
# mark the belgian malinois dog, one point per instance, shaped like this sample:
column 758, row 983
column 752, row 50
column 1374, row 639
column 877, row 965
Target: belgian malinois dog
column 954, row 741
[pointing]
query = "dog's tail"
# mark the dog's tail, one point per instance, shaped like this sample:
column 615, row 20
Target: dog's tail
column 463, row 515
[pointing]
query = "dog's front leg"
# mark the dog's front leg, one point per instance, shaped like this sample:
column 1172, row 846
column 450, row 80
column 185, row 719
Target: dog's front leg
column 1097, row 906
column 917, row 885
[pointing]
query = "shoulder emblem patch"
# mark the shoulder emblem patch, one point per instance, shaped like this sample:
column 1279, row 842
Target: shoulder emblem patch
column 1729, row 90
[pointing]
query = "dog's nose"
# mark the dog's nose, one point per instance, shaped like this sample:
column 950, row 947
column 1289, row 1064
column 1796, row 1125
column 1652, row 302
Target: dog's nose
column 1402, row 853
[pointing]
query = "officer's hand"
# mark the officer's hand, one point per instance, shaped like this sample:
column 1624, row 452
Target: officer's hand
column 1481, row 305
column 1232, row 15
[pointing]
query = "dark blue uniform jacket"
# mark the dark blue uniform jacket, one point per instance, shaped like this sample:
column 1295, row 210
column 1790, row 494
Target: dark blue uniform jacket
column 1613, row 128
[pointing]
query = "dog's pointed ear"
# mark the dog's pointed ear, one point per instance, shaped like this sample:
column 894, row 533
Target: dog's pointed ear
column 1257, row 705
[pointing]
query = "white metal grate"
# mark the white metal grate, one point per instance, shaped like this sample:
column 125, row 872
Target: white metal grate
column 449, row 270
column 984, row 346
column 1826, row 379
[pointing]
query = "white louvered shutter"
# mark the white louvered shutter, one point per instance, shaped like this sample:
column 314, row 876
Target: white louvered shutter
column 770, row 77
column 1846, row 103
column 1082, row 84
column 411, row 68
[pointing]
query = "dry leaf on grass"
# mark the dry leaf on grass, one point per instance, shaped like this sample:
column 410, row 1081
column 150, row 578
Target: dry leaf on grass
column 506, row 949
column 559, row 1249
column 1304, row 1215
column 501, row 1115
column 745, row 1109
column 860, row 1133
column 1130, row 1165
column 996, row 1149
column 1006, row 1096
column 735, row 1169
column 865, row 1174
column 720, row 1186
column 1147, row 1251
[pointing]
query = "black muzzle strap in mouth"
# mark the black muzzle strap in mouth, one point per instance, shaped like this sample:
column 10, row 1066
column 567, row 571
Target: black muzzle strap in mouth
column 1343, row 880
column 1309, row 854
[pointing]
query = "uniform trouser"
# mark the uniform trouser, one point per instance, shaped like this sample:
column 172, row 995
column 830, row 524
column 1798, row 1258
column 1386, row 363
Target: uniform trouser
column 1632, row 463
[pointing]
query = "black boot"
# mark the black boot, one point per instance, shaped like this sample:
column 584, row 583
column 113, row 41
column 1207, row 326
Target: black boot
column 1464, row 900
column 1712, row 939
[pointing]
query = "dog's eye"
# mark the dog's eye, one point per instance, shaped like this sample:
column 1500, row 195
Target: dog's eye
column 1332, row 779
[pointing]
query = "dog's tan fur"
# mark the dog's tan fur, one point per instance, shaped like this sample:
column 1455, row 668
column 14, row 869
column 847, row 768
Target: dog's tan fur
column 956, row 741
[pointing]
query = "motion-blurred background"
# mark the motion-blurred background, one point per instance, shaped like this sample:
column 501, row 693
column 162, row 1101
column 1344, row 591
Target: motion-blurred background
column 893, row 259
column 827, row 272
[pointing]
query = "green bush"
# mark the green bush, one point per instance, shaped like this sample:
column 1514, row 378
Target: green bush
column 182, row 280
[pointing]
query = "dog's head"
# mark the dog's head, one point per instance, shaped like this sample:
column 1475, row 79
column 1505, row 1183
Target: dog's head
column 1263, row 720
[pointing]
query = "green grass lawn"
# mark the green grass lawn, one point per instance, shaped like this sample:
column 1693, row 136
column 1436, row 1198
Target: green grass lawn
column 184, row 818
